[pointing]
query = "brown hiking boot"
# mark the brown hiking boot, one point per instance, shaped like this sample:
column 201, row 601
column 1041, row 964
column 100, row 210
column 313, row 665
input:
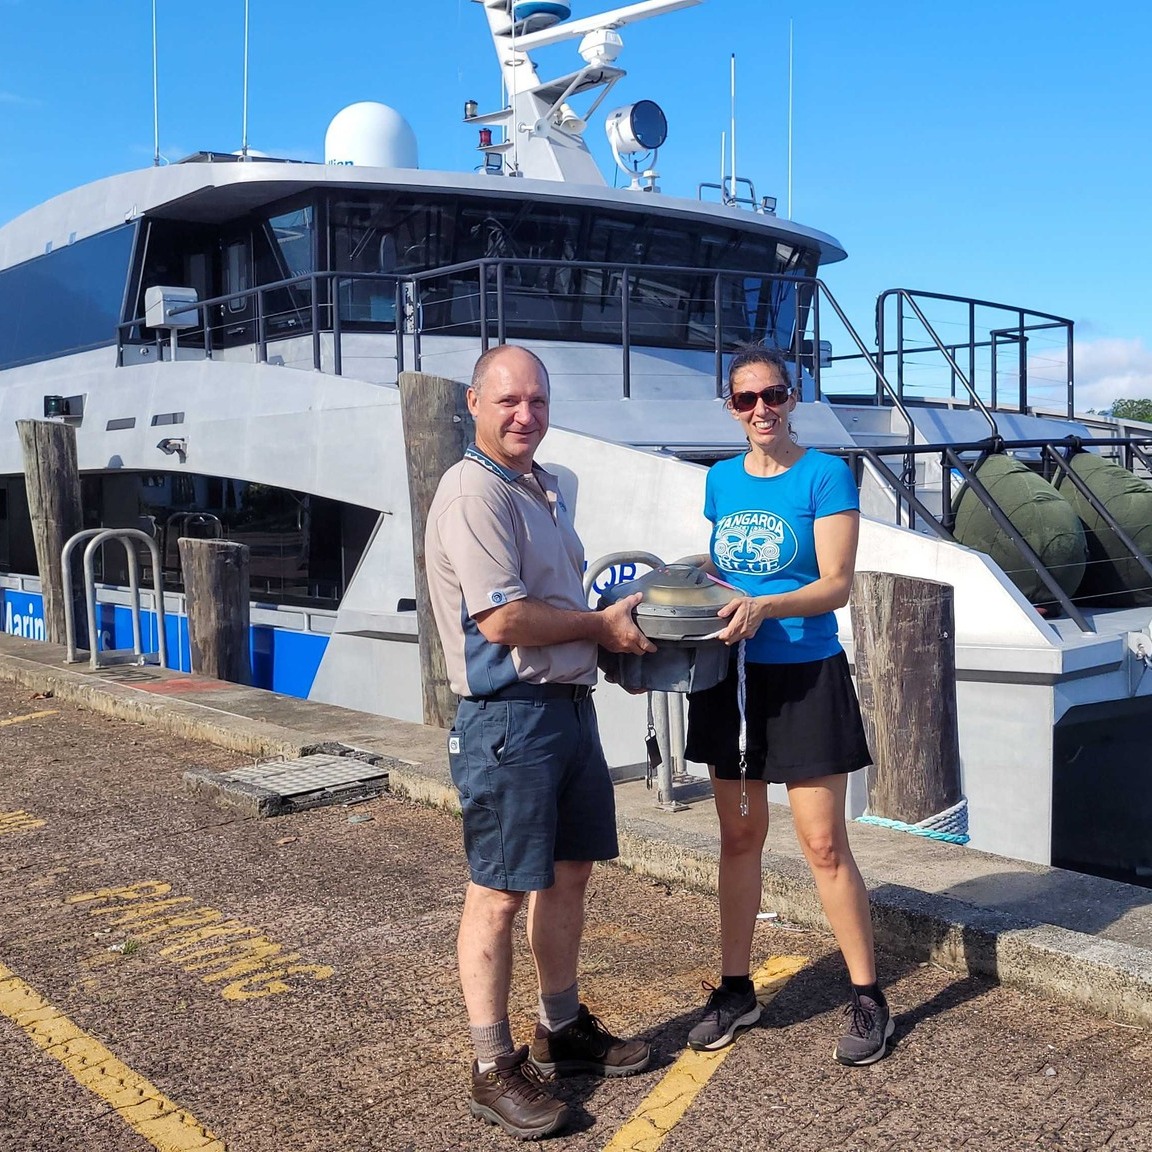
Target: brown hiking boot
column 586, row 1045
column 508, row 1095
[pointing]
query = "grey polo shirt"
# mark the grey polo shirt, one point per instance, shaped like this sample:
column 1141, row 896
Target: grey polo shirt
column 494, row 535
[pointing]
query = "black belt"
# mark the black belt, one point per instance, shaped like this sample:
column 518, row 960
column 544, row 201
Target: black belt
column 525, row 691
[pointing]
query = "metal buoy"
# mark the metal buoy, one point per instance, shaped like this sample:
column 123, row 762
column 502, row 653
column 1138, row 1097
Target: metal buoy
column 679, row 613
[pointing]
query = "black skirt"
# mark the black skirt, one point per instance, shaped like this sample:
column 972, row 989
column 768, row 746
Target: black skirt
column 803, row 722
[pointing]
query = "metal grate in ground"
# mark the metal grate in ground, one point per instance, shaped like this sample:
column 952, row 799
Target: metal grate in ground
column 276, row 787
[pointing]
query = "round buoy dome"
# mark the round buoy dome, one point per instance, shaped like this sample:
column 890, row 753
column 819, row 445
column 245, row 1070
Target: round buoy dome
column 536, row 15
column 370, row 135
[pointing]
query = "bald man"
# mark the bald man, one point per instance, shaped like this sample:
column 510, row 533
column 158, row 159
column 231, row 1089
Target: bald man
column 505, row 574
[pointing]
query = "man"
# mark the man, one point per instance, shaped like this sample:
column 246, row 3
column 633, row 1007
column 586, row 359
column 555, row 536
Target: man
column 505, row 570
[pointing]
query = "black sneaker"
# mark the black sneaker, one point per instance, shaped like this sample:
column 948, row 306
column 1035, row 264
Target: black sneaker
column 866, row 1031
column 586, row 1045
column 725, row 1016
column 510, row 1096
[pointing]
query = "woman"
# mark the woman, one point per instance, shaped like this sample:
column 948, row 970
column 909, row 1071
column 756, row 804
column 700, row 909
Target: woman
column 785, row 527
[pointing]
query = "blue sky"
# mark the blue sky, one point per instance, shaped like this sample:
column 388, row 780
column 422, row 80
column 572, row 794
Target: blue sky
column 1001, row 150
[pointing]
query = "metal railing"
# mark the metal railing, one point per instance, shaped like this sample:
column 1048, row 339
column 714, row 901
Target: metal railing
column 319, row 312
column 618, row 304
column 633, row 306
column 980, row 346
column 1055, row 455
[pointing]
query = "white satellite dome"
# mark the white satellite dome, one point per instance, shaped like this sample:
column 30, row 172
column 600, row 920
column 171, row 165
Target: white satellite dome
column 370, row 135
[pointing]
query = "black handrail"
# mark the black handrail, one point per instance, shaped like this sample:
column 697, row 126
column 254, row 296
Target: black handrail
column 957, row 374
column 1027, row 320
column 319, row 302
column 313, row 279
column 719, row 275
column 815, row 292
column 975, row 301
column 901, row 490
column 951, row 457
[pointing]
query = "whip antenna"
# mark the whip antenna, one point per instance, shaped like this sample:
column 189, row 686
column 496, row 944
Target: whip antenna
column 244, row 102
column 789, row 119
column 733, row 192
column 155, row 97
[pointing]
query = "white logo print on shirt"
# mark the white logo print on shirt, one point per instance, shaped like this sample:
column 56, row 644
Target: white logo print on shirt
column 758, row 543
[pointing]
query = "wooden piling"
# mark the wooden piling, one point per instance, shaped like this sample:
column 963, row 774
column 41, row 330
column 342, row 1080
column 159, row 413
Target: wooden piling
column 216, row 588
column 904, row 633
column 52, row 480
column 437, row 430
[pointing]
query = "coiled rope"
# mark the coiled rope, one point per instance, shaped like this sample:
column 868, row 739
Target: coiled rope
column 951, row 825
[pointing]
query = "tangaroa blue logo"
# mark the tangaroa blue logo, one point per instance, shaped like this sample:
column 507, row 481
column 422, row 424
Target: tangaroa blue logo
column 758, row 543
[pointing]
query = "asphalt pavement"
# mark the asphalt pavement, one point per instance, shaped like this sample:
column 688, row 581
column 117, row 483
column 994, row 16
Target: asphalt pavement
column 179, row 973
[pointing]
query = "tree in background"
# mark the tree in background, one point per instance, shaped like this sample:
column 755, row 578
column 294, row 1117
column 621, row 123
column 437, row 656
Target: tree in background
column 1132, row 410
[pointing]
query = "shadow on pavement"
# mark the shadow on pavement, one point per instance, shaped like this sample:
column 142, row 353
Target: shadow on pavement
column 817, row 990
column 1072, row 900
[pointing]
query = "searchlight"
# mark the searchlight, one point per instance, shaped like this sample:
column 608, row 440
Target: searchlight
column 637, row 129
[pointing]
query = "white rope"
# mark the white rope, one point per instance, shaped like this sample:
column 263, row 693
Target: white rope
column 741, row 699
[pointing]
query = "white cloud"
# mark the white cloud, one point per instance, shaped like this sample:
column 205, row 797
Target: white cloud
column 20, row 101
column 1108, row 370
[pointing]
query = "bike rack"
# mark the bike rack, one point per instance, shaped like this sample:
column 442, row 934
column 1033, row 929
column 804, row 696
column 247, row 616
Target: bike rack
column 136, row 655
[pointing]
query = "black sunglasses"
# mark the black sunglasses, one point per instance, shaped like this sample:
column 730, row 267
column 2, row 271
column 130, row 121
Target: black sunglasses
column 745, row 401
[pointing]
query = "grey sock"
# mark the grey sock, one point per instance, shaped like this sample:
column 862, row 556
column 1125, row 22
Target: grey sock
column 490, row 1041
column 559, row 1009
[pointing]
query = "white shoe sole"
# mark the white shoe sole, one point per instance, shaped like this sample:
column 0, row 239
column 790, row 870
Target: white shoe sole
column 740, row 1024
column 879, row 1054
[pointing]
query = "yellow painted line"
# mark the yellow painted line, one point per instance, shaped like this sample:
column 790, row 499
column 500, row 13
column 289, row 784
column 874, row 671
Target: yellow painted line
column 30, row 716
column 19, row 821
column 254, row 965
column 141, row 1105
column 663, row 1107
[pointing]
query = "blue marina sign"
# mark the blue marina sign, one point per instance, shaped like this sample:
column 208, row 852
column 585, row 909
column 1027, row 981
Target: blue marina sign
column 23, row 614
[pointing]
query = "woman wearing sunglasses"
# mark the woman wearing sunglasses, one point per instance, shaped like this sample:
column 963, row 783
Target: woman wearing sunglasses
column 785, row 522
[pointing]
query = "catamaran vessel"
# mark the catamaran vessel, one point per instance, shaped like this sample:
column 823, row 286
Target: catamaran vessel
column 226, row 334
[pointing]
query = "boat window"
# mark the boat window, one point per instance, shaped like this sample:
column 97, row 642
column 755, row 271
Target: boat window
column 406, row 233
column 175, row 253
column 303, row 549
column 284, row 249
column 381, row 237
column 293, row 233
column 69, row 300
column 237, row 273
column 511, row 229
column 395, row 234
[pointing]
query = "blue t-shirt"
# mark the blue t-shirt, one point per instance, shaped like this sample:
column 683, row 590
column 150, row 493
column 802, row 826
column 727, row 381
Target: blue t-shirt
column 763, row 543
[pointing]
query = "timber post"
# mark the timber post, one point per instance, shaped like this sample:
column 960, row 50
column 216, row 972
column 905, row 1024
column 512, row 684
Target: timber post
column 904, row 633
column 52, row 480
column 437, row 430
column 216, row 590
